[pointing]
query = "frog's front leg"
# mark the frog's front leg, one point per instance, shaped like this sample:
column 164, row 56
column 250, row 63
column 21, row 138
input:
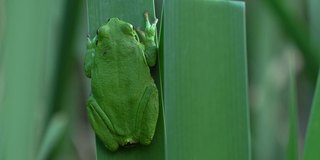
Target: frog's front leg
column 148, row 38
column 88, row 61
column 101, row 124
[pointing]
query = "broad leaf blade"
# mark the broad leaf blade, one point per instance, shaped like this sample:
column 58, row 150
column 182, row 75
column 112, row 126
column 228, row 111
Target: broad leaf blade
column 205, row 80
column 23, row 50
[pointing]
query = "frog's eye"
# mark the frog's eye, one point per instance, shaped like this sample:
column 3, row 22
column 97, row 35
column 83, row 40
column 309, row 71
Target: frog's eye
column 131, row 26
column 127, row 29
column 136, row 37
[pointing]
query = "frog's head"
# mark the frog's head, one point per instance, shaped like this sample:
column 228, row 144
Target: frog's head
column 115, row 28
column 112, row 34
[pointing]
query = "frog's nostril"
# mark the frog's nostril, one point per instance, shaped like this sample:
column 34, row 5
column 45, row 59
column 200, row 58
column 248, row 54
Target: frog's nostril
column 108, row 20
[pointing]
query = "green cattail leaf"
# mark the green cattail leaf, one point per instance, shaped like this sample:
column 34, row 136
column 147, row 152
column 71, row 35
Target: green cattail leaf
column 24, row 26
column 205, row 80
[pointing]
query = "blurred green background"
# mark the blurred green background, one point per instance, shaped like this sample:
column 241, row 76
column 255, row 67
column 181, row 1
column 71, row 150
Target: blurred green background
column 43, row 89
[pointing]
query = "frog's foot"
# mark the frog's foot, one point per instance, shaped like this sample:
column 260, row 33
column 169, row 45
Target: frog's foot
column 150, row 117
column 91, row 43
column 150, row 29
column 148, row 37
column 99, row 122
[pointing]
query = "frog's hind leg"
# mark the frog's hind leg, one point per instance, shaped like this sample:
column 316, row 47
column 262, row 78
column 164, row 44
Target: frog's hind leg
column 149, row 116
column 98, row 123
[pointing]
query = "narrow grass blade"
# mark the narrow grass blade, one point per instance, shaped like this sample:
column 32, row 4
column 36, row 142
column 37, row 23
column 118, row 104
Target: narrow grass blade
column 65, row 57
column 131, row 11
column 53, row 135
column 292, row 148
column 312, row 141
column 205, row 80
column 312, row 145
column 266, row 63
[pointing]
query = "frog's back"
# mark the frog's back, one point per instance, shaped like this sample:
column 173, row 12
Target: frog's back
column 120, row 78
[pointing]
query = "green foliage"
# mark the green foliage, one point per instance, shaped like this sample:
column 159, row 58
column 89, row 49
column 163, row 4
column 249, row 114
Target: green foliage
column 205, row 80
column 298, row 33
column 312, row 145
column 314, row 12
column 312, row 139
column 21, row 77
column 293, row 120
column 56, row 129
column 201, row 74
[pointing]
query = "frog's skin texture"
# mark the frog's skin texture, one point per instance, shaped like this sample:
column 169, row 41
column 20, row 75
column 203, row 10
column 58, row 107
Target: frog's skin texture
column 123, row 107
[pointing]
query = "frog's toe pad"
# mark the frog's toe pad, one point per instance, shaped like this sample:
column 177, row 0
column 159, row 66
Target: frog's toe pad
column 146, row 141
column 112, row 147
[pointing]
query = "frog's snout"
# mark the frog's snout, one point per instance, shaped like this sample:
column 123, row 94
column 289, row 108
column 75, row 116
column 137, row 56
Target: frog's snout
column 111, row 20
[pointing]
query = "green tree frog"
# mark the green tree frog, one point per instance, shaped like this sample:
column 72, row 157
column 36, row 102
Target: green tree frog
column 123, row 107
